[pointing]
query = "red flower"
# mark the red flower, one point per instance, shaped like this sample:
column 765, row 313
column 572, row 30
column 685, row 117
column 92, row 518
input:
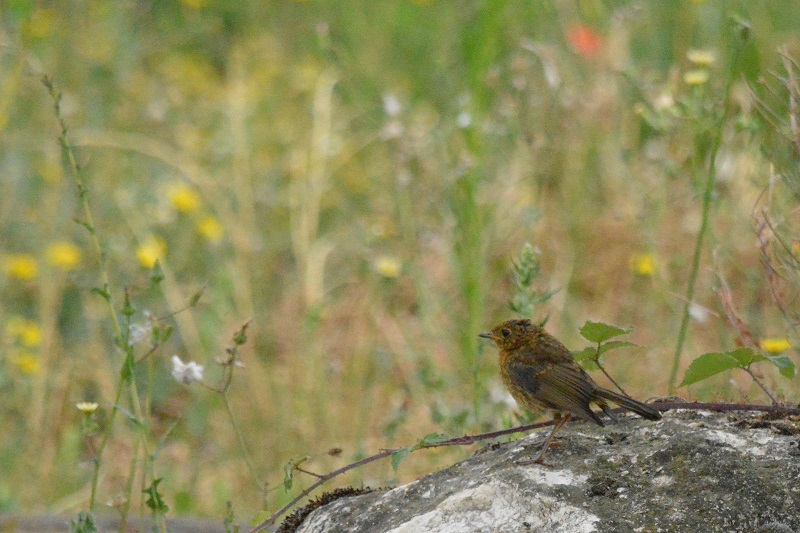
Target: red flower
column 585, row 41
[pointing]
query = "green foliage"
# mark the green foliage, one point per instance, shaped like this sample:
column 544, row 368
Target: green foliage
column 154, row 499
column 525, row 270
column 710, row 364
column 229, row 521
column 430, row 439
column 601, row 334
column 83, row 524
column 289, row 470
column 157, row 273
column 277, row 160
column 161, row 334
column 399, row 455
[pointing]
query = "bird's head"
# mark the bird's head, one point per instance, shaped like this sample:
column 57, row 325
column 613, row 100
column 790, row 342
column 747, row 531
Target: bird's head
column 512, row 333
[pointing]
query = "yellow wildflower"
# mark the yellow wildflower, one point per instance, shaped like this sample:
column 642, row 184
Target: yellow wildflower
column 183, row 198
column 774, row 345
column 387, row 266
column 701, row 58
column 210, row 228
column 40, row 24
column 27, row 332
column 27, row 363
column 63, row 255
column 695, row 77
column 151, row 250
column 643, row 264
column 87, row 407
column 20, row 266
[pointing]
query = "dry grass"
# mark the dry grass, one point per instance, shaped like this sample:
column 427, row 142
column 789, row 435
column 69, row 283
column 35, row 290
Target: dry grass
column 373, row 171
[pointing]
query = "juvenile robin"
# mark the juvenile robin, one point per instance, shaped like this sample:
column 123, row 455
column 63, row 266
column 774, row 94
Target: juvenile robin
column 541, row 374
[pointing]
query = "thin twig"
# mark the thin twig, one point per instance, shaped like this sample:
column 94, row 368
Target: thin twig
column 458, row 441
column 763, row 388
column 471, row 439
column 603, row 370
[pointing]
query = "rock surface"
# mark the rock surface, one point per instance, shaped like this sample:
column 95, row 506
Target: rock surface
column 692, row 471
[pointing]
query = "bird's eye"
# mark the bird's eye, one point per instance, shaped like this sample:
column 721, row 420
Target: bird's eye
column 505, row 333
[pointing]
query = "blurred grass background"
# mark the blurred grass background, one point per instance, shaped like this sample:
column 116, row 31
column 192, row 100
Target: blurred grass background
column 355, row 177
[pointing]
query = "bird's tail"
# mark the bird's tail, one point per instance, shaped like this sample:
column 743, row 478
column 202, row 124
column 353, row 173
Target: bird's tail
column 641, row 409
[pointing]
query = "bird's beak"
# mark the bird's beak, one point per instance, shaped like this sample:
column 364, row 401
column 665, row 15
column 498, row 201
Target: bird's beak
column 486, row 335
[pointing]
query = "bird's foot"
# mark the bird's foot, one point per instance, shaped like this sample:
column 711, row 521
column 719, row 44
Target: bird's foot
column 539, row 459
column 534, row 461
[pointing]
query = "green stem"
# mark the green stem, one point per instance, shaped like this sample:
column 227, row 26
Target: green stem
column 103, row 442
column 242, row 444
column 125, row 509
column 708, row 196
column 698, row 248
column 88, row 223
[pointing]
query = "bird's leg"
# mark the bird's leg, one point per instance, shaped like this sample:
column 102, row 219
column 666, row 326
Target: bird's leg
column 560, row 421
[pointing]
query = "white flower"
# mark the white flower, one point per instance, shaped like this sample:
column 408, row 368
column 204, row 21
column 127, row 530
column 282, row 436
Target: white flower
column 391, row 105
column 463, row 120
column 698, row 312
column 137, row 332
column 186, row 373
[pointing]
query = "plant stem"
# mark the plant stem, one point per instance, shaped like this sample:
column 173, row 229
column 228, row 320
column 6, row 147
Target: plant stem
column 708, row 196
column 88, row 223
column 242, row 444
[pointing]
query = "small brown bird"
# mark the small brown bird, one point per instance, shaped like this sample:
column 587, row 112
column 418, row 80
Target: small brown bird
column 541, row 374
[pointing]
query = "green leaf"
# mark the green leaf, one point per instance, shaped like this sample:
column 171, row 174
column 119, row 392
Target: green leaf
column 86, row 225
column 230, row 519
column 587, row 354
column 288, row 475
column 746, row 356
column 130, row 416
column 399, row 455
column 154, row 500
column 166, row 333
column 590, row 353
column 196, row 298
column 613, row 345
column 163, row 441
column 160, row 335
column 599, row 332
column 156, row 273
column 708, row 365
column 127, row 367
column 102, row 292
column 128, row 309
column 431, row 438
column 784, row 364
column 83, row 524
column 240, row 337
column 585, row 358
column 289, row 468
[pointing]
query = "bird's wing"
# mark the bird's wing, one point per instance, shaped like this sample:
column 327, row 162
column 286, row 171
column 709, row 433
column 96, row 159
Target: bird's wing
column 560, row 386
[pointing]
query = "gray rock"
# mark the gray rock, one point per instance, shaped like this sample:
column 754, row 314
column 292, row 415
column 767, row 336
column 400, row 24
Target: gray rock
column 692, row 471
